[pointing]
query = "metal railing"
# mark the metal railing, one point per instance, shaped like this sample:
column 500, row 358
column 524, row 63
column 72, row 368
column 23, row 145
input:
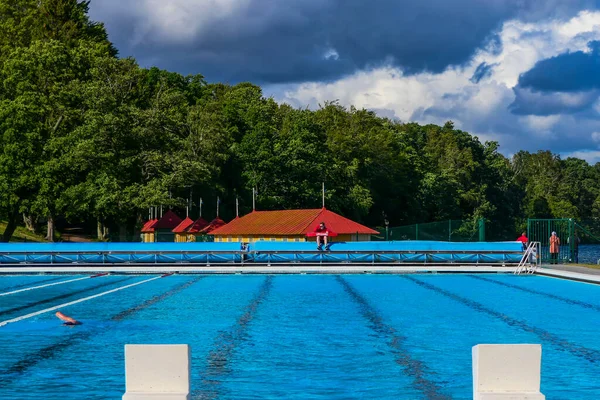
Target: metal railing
column 275, row 257
column 531, row 259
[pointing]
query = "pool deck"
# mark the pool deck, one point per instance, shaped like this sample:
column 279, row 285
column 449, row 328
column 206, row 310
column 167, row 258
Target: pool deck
column 574, row 272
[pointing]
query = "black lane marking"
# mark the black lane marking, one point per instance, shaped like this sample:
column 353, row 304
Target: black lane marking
column 226, row 343
column 52, row 350
column 410, row 366
column 587, row 354
column 32, row 284
column 62, row 296
column 532, row 291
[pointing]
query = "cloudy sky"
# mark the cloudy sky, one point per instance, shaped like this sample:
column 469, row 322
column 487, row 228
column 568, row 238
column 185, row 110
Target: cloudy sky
column 523, row 72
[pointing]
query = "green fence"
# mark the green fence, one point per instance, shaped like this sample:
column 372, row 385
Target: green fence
column 448, row 231
column 571, row 234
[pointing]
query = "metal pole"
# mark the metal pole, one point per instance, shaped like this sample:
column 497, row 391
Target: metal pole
column 323, row 194
column 218, row 201
column 237, row 207
column 200, row 208
column 571, row 240
column 449, row 230
column 253, row 199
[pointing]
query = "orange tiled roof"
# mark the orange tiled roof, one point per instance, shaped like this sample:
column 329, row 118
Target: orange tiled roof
column 149, row 226
column 198, row 225
column 184, row 225
column 290, row 222
column 169, row 221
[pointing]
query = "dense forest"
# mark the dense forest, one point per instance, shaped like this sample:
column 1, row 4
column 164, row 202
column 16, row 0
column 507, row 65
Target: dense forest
column 89, row 138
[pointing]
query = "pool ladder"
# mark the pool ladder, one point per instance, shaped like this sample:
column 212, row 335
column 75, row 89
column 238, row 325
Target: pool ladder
column 530, row 260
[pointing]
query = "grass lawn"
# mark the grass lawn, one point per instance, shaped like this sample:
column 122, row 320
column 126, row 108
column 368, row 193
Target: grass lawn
column 22, row 234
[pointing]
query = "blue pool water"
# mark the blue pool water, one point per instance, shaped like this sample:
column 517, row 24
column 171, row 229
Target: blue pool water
column 298, row 336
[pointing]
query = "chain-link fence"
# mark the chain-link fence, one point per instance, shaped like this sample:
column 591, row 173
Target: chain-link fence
column 448, row 231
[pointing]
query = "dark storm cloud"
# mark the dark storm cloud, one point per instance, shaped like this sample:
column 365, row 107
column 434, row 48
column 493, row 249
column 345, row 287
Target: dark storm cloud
column 483, row 70
column 568, row 72
column 529, row 102
column 274, row 42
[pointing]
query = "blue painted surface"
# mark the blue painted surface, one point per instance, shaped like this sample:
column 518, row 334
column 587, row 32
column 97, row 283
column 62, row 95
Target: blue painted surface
column 307, row 337
column 259, row 252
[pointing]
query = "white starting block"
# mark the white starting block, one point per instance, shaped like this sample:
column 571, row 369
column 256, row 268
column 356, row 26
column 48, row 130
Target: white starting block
column 507, row 372
column 157, row 372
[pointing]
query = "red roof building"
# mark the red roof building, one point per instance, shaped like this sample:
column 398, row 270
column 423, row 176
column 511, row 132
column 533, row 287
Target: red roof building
column 168, row 221
column 147, row 232
column 197, row 226
column 149, row 226
column 214, row 224
column 289, row 225
column 183, row 225
column 180, row 230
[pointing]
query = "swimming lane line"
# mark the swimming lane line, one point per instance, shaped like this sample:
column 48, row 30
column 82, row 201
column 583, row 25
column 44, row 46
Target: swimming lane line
column 587, row 354
column 52, row 350
column 412, row 367
column 532, row 291
column 43, row 286
column 21, row 318
column 22, row 285
column 61, row 296
column 226, row 343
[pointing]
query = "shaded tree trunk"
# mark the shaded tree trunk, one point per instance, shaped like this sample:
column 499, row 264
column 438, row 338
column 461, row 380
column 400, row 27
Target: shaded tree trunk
column 122, row 233
column 100, row 230
column 10, row 226
column 29, row 222
column 50, row 233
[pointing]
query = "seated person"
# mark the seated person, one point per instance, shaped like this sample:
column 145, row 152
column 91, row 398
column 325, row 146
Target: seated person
column 66, row 319
column 322, row 233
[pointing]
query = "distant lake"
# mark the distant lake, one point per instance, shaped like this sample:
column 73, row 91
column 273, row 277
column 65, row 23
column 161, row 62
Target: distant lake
column 589, row 253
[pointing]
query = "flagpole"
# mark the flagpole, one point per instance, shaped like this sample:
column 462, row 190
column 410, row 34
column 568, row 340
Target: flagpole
column 237, row 207
column 218, row 201
column 323, row 194
column 200, row 206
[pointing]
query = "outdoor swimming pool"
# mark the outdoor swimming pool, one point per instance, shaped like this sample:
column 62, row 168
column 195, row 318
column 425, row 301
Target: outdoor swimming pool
column 298, row 336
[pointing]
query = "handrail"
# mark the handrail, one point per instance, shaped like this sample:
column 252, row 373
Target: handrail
column 532, row 253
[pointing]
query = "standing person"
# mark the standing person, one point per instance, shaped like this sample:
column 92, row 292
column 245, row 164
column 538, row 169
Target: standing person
column 554, row 248
column 321, row 232
column 523, row 239
column 574, row 242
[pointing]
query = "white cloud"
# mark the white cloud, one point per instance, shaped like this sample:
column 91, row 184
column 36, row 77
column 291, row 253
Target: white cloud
column 331, row 54
column 591, row 156
column 481, row 108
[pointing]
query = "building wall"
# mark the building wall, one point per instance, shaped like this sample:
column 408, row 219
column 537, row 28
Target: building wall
column 148, row 237
column 184, row 238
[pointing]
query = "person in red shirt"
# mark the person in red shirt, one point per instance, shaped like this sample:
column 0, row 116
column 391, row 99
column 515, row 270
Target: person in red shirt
column 321, row 232
column 523, row 239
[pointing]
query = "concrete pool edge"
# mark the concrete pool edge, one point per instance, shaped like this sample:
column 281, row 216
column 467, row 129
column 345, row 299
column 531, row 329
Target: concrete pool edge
column 255, row 269
column 589, row 276
column 592, row 277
